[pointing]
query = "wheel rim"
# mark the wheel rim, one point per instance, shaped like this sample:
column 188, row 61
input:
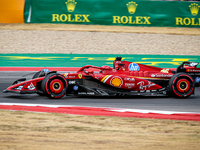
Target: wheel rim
column 183, row 85
column 56, row 86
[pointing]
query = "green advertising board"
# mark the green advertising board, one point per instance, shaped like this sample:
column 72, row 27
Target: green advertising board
column 114, row 12
column 79, row 60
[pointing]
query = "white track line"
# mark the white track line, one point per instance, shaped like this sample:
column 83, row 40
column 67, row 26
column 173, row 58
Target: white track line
column 108, row 109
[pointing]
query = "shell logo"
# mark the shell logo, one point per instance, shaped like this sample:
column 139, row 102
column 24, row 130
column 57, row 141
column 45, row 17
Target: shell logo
column 116, row 81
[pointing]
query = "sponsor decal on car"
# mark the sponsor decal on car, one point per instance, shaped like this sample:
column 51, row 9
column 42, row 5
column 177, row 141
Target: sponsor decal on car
column 80, row 76
column 161, row 75
column 72, row 82
column 31, row 86
column 133, row 67
column 130, row 85
column 116, row 81
column 165, row 70
column 192, row 70
column 86, row 93
column 142, row 85
column 70, row 77
column 129, row 79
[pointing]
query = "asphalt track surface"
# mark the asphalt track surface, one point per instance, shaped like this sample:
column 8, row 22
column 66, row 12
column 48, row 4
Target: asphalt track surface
column 191, row 104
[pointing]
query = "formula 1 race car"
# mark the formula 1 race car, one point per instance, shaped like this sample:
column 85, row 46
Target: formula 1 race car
column 125, row 78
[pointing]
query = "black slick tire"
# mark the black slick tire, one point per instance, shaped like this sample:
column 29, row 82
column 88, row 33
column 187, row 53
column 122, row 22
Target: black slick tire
column 54, row 85
column 181, row 85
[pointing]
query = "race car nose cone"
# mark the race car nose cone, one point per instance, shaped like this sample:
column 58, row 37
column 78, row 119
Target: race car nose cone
column 4, row 91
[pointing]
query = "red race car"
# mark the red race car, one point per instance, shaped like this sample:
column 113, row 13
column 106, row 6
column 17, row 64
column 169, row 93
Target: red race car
column 125, row 78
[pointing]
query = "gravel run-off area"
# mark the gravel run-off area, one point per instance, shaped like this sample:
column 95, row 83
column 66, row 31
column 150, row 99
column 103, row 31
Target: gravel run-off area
column 95, row 42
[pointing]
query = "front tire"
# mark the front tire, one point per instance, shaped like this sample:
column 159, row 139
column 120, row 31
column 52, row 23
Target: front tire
column 54, row 85
column 37, row 75
column 181, row 85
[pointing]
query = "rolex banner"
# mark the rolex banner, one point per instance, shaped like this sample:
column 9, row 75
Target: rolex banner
column 114, row 12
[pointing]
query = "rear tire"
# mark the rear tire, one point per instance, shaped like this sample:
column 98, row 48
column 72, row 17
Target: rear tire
column 54, row 85
column 181, row 85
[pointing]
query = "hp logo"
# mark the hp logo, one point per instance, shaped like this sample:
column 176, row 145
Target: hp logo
column 133, row 67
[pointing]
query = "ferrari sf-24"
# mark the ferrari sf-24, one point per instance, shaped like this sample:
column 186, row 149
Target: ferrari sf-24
column 124, row 78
